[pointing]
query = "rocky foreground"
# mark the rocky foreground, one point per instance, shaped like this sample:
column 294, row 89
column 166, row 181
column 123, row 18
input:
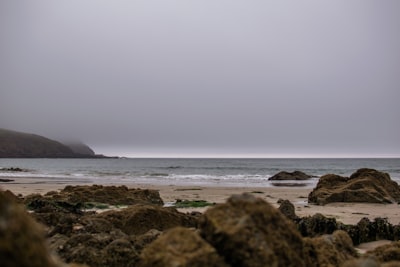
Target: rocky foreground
column 62, row 227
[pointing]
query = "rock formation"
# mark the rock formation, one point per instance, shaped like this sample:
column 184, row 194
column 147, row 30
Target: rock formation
column 365, row 185
column 284, row 175
column 248, row 231
column 181, row 247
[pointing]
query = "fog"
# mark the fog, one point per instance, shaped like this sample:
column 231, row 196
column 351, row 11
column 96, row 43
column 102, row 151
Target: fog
column 204, row 78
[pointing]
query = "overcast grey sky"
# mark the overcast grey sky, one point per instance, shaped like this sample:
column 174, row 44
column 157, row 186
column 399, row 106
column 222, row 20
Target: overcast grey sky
column 190, row 78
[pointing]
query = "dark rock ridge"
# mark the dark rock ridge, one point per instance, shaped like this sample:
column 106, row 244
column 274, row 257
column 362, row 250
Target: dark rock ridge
column 365, row 185
column 24, row 145
column 284, row 175
column 113, row 195
column 364, row 231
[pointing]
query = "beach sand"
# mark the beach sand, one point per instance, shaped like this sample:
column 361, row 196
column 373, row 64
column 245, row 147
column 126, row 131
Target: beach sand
column 348, row 213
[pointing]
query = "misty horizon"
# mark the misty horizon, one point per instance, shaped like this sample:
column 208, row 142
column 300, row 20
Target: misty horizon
column 209, row 79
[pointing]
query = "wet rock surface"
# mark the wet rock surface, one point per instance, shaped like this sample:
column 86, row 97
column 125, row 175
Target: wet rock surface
column 284, row 175
column 365, row 185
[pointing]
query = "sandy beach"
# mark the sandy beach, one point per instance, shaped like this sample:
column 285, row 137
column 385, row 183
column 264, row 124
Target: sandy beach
column 348, row 213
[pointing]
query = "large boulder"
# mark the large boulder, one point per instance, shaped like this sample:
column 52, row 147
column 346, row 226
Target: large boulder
column 22, row 240
column 284, row 175
column 287, row 209
column 112, row 249
column 365, row 185
column 181, row 247
column 247, row 231
column 331, row 250
column 138, row 219
column 316, row 225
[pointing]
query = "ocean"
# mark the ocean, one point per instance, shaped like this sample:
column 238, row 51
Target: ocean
column 189, row 172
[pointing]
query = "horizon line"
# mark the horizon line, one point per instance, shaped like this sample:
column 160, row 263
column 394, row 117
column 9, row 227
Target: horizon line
column 254, row 156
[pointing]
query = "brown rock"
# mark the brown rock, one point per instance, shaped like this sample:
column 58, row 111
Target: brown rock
column 113, row 195
column 386, row 253
column 331, row 250
column 316, row 225
column 138, row 219
column 180, row 247
column 247, row 231
column 365, row 185
column 96, row 250
column 22, row 240
column 284, row 175
column 287, row 209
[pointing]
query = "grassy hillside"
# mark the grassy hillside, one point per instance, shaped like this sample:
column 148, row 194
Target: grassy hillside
column 24, row 145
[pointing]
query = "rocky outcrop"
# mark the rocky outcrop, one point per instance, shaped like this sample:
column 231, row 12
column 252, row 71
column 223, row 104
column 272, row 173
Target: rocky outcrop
column 287, row 208
column 284, row 175
column 22, row 242
column 79, row 197
column 24, row 145
column 330, row 250
column 365, row 185
column 318, row 224
column 181, row 247
column 247, row 231
column 138, row 219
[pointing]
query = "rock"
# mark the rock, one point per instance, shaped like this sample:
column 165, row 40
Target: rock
column 13, row 169
column 138, row 219
column 331, row 250
column 317, row 225
column 97, row 250
column 386, row 253
column 378, row 229
column 366, row 262
column 287, row 209
column 365, row 185
column 22, row 240
column 180, row 247
column 142, row 241
column 296, row 175
column 75, row 198
column 6, row 180
column 247, row 231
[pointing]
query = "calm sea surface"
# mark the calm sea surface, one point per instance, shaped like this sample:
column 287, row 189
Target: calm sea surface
column 206, row 172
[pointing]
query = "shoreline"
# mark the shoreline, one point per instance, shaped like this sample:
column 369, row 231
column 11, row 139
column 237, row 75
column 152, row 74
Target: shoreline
column 347, row 213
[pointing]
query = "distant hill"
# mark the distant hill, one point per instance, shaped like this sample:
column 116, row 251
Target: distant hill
column 80, row 148
column 25, row 145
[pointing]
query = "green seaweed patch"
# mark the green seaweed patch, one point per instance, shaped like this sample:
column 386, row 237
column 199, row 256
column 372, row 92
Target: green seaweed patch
column 192, row 203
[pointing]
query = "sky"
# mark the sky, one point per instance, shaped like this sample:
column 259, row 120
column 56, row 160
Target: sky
column 225, row 78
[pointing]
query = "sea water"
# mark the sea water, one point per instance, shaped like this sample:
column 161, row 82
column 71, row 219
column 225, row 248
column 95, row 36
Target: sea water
column 201, row 172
